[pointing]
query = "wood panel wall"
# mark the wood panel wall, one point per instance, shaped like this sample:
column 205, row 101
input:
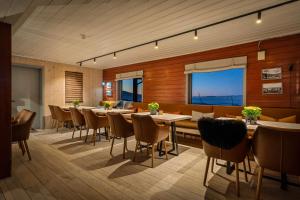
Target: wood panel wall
column 5, row 100
column 164, row 80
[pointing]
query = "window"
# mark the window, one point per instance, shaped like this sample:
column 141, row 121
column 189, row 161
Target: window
column 224, row 87
column 73, row 86
column 131, row 89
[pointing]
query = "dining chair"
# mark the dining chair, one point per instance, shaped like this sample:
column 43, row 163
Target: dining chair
column 21, row 130
column 63, row 116
column 78, row 120
column 226, row 140
column 95, row 122
column 119, row 128
column 149, row 132
column 276, row 149
column 53, row 116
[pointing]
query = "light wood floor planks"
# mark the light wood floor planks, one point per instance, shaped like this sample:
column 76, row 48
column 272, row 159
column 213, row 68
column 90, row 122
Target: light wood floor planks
column 64, row 168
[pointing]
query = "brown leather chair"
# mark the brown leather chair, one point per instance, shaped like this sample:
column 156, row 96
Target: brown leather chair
column 147, row 131
column 21, row 130
column 95, row 122
column 214, row 131
column 120, row 128
column 53, row 116
column 276, row 149
column 78, row 120
column 62, row 116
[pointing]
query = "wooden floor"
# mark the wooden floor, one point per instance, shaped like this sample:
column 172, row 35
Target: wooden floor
column 62, row 168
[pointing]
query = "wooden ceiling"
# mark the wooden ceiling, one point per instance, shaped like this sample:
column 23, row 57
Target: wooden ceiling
column 68, row 31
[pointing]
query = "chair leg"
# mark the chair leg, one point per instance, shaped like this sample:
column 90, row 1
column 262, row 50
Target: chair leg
column 249, row 163
column 259, row 182
column 124, row 146
column 87, row 134
column 136, row 147
column 74, row 129
column 147, row 149
column 245, row 171
column 112, row 144
column 57, row 125
column 206, row 171
column 152, row 160
column 237, row 184
column 21, row 147
column 80, row 131
column 27, row 150
column 166, row 151
column 94, row 136
column 212, row 165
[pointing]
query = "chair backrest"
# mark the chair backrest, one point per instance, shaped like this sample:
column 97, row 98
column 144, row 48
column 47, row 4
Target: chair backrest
column 52, row 111
column 93, row 121
column 277, row 149
column 21, row 130
column 119, row 126
column 145, row 129
column 61, row 115
column 224, row 139
column 77, row 117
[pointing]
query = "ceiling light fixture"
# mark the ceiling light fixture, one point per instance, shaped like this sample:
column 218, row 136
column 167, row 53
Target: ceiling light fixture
column 95, row 61
column 196, row 35
column 255, row 12
column 258, row 21
column 156, row 45
column 80, row 64
column 115, row 56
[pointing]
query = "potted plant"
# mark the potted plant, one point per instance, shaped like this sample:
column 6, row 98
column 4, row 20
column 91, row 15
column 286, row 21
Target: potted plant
column 251, row 114
column 153, row 107
column 106, row 105
column 76, row 103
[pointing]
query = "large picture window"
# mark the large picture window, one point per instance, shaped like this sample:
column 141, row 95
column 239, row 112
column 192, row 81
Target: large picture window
column 131, row 89
column 224, row 87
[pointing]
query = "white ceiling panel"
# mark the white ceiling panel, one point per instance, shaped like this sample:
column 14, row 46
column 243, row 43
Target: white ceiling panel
column 76, row 29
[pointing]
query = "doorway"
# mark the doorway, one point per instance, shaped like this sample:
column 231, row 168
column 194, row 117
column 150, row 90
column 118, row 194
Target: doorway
column 26, row 92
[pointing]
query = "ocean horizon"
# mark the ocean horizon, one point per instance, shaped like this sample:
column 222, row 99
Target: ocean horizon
column 230, row 100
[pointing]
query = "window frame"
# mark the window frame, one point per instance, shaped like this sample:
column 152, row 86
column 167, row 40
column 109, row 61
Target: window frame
column 134, row 89
column 189, row 83
column 79, row 78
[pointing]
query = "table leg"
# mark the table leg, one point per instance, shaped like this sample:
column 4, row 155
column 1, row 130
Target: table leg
column 229, row 167
column 174, row 140
column 283, row 181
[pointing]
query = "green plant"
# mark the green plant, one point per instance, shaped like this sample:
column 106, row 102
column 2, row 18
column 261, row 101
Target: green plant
column 153, row 106
column 106, row 104
column 251, row 112
column 76, row 103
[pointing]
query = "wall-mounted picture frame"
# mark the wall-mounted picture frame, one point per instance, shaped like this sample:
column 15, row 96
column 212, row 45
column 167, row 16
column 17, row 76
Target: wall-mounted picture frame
column 108, row 85
column 271, row 73
column 272, row 88
column 108, row 89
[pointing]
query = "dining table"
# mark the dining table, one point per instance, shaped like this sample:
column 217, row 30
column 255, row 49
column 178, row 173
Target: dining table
column 116, row 110
column 169, row 119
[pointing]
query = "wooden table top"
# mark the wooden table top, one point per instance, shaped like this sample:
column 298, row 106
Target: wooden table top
column 79, row 108
column 166, row 117
column 103, row 111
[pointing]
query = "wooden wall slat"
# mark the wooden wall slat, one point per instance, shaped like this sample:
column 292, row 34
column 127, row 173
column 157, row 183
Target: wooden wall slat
column 164, row 80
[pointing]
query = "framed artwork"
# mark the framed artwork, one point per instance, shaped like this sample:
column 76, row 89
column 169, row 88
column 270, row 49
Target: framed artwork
column 272, row 88
column 108, row 89
column 271, row 74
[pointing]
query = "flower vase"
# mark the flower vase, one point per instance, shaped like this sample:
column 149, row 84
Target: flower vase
column 153, row 112
column 251, row 120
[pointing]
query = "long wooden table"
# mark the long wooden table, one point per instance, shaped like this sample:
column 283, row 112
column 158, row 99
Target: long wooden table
column 117, row 110
column 167, row 118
